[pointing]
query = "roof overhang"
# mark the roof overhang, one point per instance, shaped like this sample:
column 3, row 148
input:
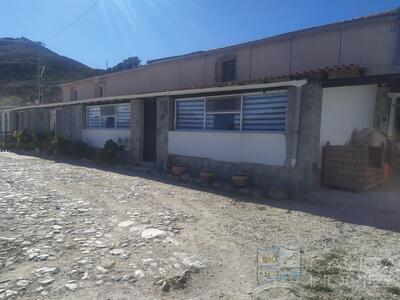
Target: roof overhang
column 219, row 89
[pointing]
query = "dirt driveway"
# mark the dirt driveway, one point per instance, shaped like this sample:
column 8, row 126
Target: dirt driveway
column 78, row 232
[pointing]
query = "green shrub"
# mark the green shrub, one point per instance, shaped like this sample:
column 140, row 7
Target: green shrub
column 61, row 146
column 109, row 151
column 75, row 149
column 23, row 139
column 80, row 149
column 40, row 141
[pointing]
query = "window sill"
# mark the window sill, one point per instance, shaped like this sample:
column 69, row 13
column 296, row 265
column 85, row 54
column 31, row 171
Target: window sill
column 230, row 131
column 107, row 129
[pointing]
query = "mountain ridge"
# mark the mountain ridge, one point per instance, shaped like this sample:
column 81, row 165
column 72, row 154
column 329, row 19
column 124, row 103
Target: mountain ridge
column 19, row 65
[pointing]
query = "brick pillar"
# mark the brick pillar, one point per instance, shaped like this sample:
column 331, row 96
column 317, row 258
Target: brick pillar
column 137, row 125
column 164, row 125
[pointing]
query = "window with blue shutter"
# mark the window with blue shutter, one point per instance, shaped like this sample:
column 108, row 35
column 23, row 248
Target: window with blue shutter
column 190, row 114
column 255, row 112
column 124, row 115
column 109, row 116
column 265, row 112
column 93, row 116
column 223, row 113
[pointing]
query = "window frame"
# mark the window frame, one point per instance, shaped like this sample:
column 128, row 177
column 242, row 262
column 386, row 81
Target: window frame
column 100, row 116
column 219, row 63
column 242, row 96
column 74, row 93
column 222, row 112
column 99, row 87
column 228, row 63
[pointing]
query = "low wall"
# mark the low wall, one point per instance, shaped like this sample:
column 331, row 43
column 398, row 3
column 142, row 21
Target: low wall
column 97, row 137
column 260, row 175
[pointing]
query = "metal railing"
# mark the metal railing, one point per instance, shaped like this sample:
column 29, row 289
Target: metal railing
column 7, row 141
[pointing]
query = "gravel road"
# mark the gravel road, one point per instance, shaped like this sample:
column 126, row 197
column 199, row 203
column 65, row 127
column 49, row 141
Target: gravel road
column 70, row 231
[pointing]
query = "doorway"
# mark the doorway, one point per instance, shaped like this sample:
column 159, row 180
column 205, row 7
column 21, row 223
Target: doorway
column 396, row 137
column 150, row 130
column 59, row 122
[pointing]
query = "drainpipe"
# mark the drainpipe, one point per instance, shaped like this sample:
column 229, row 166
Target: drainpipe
column 397, row 28
column 393, row 103
column 296, row 123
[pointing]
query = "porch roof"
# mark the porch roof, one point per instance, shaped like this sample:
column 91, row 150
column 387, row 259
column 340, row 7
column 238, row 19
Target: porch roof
column 194, row 91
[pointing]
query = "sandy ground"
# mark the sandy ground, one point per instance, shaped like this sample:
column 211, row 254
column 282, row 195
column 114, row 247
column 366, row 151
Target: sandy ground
column 70, row 231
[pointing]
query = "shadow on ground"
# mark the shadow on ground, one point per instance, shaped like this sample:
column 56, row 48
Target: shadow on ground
column 379, row 208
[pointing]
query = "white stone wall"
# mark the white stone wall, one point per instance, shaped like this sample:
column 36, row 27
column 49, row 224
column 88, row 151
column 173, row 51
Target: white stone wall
column 250, row 147
column 97, row 137
column 345, row 110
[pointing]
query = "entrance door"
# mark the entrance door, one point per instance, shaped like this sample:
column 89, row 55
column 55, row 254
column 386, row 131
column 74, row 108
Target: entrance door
column 396, row 137
column 52, row 122
column 149, row 132
column 59, row 122
column 6, row 125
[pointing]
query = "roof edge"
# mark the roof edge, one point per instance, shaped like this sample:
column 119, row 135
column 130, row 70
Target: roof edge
column 385, row 14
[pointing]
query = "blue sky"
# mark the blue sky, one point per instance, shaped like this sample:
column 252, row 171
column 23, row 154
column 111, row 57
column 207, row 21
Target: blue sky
column 116, row 29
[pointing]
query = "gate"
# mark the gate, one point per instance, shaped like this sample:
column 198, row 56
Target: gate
column 7, row 141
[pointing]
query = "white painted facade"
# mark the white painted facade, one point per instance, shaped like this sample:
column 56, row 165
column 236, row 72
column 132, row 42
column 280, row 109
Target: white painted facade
column 252, row 147
column 346, row 110
column 97, row 137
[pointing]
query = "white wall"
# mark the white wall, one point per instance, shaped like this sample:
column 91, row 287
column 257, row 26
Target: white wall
column 263, row 148
column 97, row 137
column 344, row 110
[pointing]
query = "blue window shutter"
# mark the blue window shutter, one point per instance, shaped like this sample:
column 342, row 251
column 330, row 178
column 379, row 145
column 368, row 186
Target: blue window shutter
column 190, row 114
column 265, row 112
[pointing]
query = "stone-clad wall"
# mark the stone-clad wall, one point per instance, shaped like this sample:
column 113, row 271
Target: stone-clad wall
column 137, row 124
column 260, row 175
column 40, row 121
column 73, row 121
column 165, row 119
column 309, row 137
column 303, row 177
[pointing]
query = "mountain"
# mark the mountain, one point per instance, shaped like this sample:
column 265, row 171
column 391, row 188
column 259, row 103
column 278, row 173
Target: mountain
column 19, row 71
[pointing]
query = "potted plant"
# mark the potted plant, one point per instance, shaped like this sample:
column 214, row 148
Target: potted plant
column 178, row 170
column 207, row 176
column 240, row 180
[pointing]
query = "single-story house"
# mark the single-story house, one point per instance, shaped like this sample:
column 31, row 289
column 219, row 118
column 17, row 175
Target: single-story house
column 264, row 108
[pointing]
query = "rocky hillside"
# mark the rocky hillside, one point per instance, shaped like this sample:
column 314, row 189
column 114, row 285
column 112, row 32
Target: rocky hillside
column 19, row 71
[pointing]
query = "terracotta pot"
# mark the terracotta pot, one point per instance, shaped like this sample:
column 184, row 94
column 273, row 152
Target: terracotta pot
column 207, row 176
column 178, row 170
column 240, row 180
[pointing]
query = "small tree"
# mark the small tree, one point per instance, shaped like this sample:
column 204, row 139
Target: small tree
column 126, row 64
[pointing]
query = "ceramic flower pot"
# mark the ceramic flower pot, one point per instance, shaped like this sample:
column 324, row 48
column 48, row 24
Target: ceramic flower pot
column 178, row 170
column 207, row 176
column 240, row 180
